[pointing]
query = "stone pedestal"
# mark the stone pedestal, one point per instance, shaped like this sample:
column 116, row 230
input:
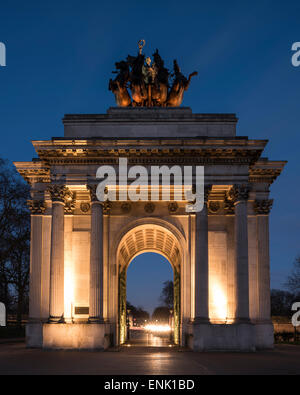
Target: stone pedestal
column 68, row 336
column 264, row 335
column 233, row 337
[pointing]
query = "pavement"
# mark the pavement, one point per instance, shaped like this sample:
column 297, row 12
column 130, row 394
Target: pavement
column 15, row 358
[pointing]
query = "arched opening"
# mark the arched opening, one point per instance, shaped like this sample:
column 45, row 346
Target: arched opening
column 144, row 239
column 149, row 318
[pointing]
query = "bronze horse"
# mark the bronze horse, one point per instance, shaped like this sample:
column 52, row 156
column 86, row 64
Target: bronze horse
column 137, row 85
column 119, row 85
column 161, row 84
column 122, row 96
column 180, row 85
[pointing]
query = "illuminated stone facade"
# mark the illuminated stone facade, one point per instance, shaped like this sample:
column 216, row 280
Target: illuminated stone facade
column 81, row 248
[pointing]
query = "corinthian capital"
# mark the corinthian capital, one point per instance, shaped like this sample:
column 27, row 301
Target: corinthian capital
column 70, row 202
column 207, row 190
column 229, row 206
column 58, row 192
column 93, row 189
column 263, row 207
column 239, row 192
column 106, row 206
column 36, row 206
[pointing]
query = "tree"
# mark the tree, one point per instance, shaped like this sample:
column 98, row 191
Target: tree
column 14, row 239
column 161, row 314
column 19, row 258
column 138, row 313
column 167, row 294
column 293, row 281
column 281, row 303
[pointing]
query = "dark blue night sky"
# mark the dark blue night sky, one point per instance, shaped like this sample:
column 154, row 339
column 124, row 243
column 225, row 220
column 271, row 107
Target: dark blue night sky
column 60, row 55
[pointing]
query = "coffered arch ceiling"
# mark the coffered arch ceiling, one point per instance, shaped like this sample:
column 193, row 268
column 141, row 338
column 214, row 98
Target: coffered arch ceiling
column 149, row 238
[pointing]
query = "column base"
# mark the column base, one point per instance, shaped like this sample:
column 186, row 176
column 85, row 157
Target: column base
column 241, row 321
column 53, row 336
column 222, row 337
column 96, row 320
column 201, row 320
column 56, row 320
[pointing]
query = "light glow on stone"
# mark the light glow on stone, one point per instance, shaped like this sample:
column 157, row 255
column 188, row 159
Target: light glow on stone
column 219, row 302
column 68, row 292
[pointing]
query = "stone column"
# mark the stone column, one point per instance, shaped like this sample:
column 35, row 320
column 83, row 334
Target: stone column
column 262, row 209
column 69, row 208
column 37, row 208
column 106, row 212
column 96, row 259
column 58, row 193
column 201, row 263
column 240, row 195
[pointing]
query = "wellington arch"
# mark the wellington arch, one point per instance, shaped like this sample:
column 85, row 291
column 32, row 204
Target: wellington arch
column 81, row 247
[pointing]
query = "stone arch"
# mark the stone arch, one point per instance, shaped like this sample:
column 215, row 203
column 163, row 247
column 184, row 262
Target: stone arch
column 144, row 229
column 150, row 235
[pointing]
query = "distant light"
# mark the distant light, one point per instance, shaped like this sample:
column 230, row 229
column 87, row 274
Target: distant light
column 158, row 328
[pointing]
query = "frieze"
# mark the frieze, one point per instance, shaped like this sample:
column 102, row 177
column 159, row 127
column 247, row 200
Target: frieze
column 126, row 208
column 85, row 207
column 149, row 208
column 173, row 207
column 214, row 207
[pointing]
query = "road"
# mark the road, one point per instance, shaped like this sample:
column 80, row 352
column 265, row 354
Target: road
column 15, row 358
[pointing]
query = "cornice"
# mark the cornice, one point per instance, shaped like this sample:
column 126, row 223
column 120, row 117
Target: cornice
column 265, row 171
column 198, row 152
column 155, row 142
column 34, row 172
column 211, row 152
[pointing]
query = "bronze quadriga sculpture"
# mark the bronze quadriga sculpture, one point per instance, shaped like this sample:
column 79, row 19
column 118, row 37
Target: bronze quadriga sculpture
column 150, row 83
